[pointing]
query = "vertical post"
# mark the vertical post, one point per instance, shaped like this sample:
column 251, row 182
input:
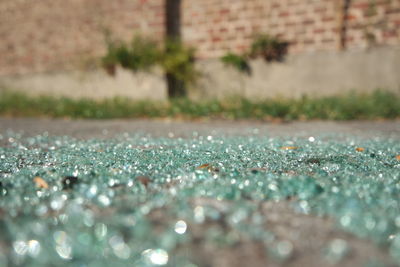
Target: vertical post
column 173, row 19
column 176, row 87
column 343, row 14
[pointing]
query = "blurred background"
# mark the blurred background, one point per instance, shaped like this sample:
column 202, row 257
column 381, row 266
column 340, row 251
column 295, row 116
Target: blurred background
column 201, row 49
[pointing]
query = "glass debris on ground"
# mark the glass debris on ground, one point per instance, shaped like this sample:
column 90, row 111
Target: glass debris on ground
column 134, row 199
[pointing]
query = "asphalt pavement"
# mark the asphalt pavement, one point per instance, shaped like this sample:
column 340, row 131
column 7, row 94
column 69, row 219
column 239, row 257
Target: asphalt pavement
column 86, row 129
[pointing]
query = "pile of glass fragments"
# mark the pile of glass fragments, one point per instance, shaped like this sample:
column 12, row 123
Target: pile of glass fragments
column 134, row 199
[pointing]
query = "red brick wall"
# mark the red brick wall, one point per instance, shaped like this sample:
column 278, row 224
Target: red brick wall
column 44, row 35
column 215, row 26
column 380, row 21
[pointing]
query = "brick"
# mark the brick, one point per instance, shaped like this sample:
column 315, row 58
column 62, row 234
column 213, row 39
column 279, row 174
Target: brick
column 212, row 26
column 392, row 11
column 328, row 40
column 327, row 19
column 308, row 21
column 224, row 11
column 240, row 29
column 256, row 28
column 241, row 48
column 290, row 24
column 362, row 5
column 275, row 5
column 284, row 14
column 320, row 10
column 351, row 17
column 390, row 34
column 318, row 30
column 301, row 12
column 216, row 39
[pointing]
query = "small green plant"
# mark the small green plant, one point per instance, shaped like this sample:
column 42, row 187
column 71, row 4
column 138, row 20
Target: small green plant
column 139, row 54
column 109, row 61
column 237, row 61
column 351, row 106
column 178, row 61
column 265, row 46
column 269, row 48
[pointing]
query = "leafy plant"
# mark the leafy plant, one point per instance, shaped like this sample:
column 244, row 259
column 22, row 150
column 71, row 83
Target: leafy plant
column 269, row 48
column 139, row 54
column 238, row 62
column 178, row 61
column 110, row 60
column 265, row 46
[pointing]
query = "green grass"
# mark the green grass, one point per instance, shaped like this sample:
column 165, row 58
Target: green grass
column 377, row 105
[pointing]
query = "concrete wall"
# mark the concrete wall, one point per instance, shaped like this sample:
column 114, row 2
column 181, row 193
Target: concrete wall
column 95, row 84
column 314, row 74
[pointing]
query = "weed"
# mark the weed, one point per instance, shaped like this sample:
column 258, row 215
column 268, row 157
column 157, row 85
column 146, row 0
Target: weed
column 238, row 62
column 269, row 48
column 377, row 105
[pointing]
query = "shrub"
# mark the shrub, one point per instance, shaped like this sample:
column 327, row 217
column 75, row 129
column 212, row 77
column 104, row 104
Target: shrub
column 265, row 46
column 139, row 54
column 269, row 48
column 238, row 62
column 178, row 61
